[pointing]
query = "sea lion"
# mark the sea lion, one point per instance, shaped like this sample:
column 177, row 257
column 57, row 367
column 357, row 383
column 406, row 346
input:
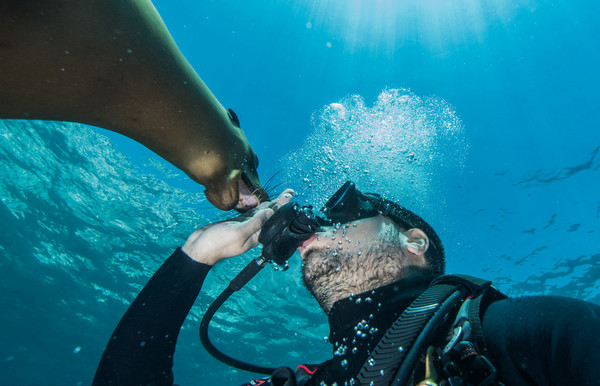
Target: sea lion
column 113, row 64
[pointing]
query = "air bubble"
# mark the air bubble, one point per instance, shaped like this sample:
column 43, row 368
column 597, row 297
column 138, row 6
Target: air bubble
column 418, row 133
column 341, row 350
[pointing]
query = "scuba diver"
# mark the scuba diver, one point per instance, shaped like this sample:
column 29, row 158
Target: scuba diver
column 377, row 270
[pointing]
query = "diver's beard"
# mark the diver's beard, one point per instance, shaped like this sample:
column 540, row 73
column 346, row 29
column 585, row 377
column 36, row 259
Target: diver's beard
column 331, row 275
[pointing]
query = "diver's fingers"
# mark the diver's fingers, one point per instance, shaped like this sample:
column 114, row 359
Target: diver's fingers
column 277, row 203
column 261, row 217
column 284, row 198
column 251, row 227
column 253, row 230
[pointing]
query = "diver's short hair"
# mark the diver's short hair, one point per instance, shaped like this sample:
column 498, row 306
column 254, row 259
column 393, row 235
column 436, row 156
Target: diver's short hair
column 407, row 219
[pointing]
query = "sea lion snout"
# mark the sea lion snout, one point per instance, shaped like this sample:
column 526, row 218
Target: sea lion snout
column 251, row 192
column 239, row 191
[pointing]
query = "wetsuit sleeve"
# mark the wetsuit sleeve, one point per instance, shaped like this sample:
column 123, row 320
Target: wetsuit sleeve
column 544, row 340
column 140, row 350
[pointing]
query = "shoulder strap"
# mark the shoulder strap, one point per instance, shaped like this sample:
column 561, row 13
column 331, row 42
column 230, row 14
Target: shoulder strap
column 473, row 284
column 476, row 311
column 394, row 358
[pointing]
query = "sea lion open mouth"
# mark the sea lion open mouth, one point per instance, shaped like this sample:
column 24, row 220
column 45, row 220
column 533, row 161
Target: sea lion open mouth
column 250, row 195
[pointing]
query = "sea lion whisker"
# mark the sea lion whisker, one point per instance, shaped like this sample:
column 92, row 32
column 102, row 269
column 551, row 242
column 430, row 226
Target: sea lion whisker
column 274, row 187
column 258, row 193
column 266, row 184
column 269, row 188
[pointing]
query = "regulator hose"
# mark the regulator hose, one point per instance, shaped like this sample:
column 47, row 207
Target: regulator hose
column 236, row 284
column 280, row 236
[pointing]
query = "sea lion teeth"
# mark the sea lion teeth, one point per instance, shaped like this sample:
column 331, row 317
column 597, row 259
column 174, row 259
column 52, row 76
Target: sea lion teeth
column 248, row 198
column 113, row 64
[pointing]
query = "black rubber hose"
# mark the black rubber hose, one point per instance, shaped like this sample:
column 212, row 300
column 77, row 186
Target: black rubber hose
column 236, row 284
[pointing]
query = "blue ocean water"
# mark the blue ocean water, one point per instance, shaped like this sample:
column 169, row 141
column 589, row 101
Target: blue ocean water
column 482, row 116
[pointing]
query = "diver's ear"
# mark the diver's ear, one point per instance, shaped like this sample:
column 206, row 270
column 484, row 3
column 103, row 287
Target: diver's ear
column 417, row 242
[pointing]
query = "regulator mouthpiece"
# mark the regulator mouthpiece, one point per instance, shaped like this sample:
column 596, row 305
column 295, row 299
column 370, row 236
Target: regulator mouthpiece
column 283, row 233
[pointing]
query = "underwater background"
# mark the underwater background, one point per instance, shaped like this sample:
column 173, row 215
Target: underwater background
column 483, row 116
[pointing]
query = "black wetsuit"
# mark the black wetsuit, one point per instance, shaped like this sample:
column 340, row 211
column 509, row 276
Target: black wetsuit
column 540, row 340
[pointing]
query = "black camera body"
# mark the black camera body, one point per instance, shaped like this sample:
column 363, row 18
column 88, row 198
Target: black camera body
column 283, row 233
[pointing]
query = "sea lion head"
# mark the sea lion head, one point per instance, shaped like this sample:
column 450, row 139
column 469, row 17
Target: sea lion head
column 239, row 188
column 235, row 183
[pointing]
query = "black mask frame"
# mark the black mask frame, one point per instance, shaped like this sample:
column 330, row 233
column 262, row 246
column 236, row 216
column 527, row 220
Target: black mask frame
column 349, row 204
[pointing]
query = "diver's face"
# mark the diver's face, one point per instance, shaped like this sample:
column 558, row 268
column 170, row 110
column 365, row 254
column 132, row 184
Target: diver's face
column 352, row 258
column 349, row 238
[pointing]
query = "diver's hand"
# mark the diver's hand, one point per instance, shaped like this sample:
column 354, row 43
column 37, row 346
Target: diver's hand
column 214, row 242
